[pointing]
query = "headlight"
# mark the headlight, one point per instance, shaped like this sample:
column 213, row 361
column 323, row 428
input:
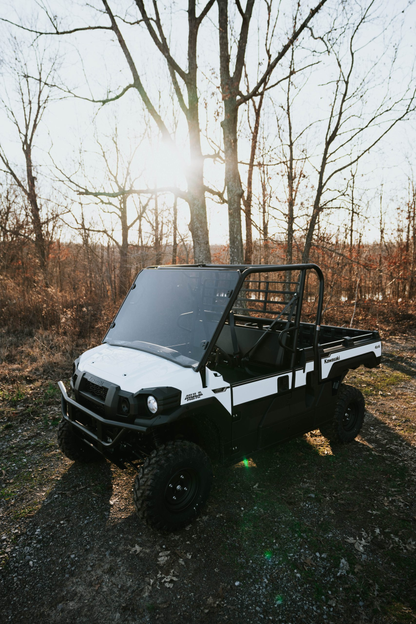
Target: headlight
column 152, row 404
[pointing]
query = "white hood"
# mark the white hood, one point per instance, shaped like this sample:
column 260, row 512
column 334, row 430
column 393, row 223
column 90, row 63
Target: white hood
column 133, row 370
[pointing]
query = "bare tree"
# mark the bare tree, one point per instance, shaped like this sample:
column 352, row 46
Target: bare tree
column 248, row 195
column 15, row 229
column 254, row 113
column 184, row 82
column 233, row 98
column 292, row 159
column 25, row 113
column 411, row 238
column 114, row 202
column 189, row 105
column 175, row 232
column 354, row 127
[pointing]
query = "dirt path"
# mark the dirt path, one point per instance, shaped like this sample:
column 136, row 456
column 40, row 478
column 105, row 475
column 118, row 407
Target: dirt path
column 304, row 533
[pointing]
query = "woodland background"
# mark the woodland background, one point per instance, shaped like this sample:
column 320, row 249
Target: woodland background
column 138, row 134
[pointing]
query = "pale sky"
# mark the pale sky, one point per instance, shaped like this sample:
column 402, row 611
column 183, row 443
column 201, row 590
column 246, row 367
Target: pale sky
column 91, row 63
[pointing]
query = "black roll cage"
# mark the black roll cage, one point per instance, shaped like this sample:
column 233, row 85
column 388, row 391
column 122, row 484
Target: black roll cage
column 262, row 268
column 246, row 270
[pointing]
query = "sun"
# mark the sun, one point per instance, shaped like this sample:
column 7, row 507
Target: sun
column 165, row 166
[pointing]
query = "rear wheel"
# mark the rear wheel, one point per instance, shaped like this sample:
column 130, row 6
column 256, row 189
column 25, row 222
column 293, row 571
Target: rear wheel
column 173, row 485
column 73, row 446
column 348, row 416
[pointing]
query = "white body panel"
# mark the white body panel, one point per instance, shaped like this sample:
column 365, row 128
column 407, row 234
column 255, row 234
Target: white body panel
column 330, row 359
column 215, row 381
column 135, row 370
column 254, row 390
column 257, row 389
column 300, row 375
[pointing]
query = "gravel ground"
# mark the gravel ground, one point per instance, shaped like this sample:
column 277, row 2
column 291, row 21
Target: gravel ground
column 304, row 533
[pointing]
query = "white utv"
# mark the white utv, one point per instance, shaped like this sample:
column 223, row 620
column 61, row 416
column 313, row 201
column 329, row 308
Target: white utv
column 207, row 363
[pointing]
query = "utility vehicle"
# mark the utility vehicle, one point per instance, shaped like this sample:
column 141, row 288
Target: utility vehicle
column 205, row 363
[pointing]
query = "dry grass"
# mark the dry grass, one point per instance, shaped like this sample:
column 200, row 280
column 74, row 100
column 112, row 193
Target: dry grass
column 76, row 314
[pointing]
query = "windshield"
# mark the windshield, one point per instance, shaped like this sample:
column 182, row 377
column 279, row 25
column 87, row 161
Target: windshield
column 173, row 312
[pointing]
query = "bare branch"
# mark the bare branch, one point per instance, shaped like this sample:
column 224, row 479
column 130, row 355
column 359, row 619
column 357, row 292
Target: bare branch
column 272, row 65
column 289, row 75
column 240, row 8
column 136, row 78
column 205, row 11
column 145, row 191
column 242, row 40
column 103, row 101
column 56, row 31
column 215, row 193
column 160, row 42
column 410, row 108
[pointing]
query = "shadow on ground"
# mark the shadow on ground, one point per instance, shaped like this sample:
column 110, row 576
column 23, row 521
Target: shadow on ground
column 302, row 533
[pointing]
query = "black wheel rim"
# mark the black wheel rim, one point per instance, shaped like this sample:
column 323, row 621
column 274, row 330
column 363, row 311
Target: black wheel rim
column 349, row 419
column 181, row 490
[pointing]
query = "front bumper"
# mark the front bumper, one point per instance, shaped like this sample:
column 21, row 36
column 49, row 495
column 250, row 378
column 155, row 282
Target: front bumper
column 71, row 411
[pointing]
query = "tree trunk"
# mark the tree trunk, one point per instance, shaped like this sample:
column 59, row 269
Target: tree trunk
column 316, row 208
column 158, row 246
column 41, row 244
column 195, row 177
column 351, row 242
column 290, row 202
column 124, row 277
column 230, row 85
column 412, row 242
column 232, row 179
column 197, row 204
column 265, row 217
column 175, row 232
column 248, row 199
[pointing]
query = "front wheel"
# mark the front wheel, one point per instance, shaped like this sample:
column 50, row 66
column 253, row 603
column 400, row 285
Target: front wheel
column 74, row 447
column 173, row 485
column 348, row 416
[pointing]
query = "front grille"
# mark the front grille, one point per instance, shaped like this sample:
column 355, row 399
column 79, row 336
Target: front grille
column 94, row 389
column 97, row 409
column 98, row 391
